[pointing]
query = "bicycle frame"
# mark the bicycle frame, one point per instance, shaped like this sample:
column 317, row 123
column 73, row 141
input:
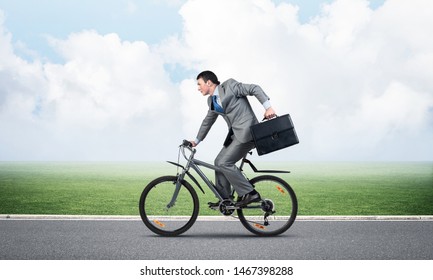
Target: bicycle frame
column 195, row 163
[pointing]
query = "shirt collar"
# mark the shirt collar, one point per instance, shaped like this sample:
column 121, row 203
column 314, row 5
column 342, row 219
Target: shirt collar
column 216, row 92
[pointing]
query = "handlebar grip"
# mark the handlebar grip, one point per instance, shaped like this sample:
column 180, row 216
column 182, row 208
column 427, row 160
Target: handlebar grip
column 187, row 143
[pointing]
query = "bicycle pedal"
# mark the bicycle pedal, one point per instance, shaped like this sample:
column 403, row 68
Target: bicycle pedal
column 214, row 205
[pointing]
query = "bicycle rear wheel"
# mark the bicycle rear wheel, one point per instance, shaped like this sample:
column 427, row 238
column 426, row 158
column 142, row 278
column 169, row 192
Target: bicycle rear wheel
column 278, row 201
column 159, row 216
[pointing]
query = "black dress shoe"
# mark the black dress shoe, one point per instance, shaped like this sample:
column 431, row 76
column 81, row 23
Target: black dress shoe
column 247, row 199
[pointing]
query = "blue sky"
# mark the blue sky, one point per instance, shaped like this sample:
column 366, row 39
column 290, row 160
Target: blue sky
column 102, row 80
column 149, row 20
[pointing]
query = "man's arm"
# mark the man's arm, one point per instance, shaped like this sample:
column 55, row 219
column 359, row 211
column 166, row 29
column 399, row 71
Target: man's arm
column 207, row 123
column 242, row 90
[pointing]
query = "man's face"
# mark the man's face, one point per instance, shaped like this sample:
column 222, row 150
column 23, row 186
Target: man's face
column 203, row 87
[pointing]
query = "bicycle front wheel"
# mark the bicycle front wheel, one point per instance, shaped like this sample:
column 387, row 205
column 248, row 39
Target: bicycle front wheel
column 162, row 216
column 277, row 210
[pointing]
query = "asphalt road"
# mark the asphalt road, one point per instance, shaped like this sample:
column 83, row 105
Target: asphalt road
column 131, row 240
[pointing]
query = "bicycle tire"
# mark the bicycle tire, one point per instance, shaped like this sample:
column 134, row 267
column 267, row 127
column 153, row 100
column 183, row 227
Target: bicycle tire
column 283, row 199
column 163, row 220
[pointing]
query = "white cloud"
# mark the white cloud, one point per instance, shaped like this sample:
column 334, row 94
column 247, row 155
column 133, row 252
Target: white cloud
column 109, row 80
column 108, row 95
column 356, row 81
column 341, row 21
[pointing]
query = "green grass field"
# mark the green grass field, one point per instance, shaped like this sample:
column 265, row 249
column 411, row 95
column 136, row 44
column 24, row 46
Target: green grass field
column 391, row 188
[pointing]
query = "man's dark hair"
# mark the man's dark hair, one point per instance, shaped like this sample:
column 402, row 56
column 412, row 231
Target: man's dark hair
column 208, row 75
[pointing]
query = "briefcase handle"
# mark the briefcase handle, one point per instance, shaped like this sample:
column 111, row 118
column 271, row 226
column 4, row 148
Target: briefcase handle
column 265, row 119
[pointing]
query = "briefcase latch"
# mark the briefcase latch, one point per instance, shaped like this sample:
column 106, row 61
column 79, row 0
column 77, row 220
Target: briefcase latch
column 275, row 136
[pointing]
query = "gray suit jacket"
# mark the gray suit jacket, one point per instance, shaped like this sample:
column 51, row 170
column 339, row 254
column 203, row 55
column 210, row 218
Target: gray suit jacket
column 237, row 110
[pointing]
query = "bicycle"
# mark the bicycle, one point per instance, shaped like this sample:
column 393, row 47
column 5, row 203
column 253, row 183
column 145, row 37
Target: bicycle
column 169, row 205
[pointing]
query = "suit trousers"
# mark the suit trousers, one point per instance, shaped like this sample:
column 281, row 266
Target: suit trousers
column 229, row 173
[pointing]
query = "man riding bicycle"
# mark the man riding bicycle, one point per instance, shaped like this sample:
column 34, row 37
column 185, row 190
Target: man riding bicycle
column 229, row 100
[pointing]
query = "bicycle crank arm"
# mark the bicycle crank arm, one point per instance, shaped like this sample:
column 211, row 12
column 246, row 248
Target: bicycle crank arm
column 252, row 207
column 245, row 207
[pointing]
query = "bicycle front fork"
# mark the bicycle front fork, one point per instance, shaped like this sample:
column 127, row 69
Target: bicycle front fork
column 178, row 184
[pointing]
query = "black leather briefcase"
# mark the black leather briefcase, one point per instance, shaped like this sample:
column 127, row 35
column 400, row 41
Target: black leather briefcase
column 274, row 134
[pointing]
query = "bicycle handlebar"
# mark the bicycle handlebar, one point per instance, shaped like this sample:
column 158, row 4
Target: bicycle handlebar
column 187, row 144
